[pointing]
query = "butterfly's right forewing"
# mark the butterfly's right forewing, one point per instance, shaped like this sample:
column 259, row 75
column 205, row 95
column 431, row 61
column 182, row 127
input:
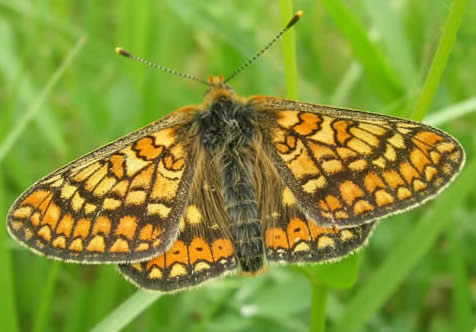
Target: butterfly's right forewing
column 347, row 168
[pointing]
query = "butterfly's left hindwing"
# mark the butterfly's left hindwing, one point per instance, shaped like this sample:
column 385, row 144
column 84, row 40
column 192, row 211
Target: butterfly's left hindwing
column 347, row 168
column 204, row 248
column 120, row 203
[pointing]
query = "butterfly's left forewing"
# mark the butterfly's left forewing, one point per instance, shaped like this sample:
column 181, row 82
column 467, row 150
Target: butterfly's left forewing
column 120, row 203
column 347, row 168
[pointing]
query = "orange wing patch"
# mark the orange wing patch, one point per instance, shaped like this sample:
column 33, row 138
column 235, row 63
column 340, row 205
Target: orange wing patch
column 347, row 168
column 199, row 253
column 301, row 240
column 92, row 210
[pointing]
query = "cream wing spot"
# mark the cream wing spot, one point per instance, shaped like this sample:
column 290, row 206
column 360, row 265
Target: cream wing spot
column 380, row 162
column 158, row 209
column 120, row 188
column 164, row 137
column 136, row 197
column 89, row 208
column 155, row 273
column 77, row 202
column 359, row 146
column 57, row 183
column 45, row 233
column 178, row 270
column 288, row 119
column 374, row 129
column 193, row 215
column 346, row 235
column 17, row 225
column 85, row 172
column 96, row 244
column 397, row 141
column 76, row 245
column 313, row 185
column 133, row 164
column 95, row 178
column 326, row 133
column 68, row 191
column 111, row 204
column 104, row 186
column 324, row 242
column 358, row 165
column 390, row 153
column 201, row 266
column 59, row 242
column 120, row 246
column 303, row 246
column 23, row 212
column 288, row 197
column 365, row 136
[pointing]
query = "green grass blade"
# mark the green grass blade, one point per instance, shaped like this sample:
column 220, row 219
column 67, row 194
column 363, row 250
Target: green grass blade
column 107, row 284
column 462, row 307
column 382, row 75
column 289, row 50
column 40, row 322
column 75, row 322
column 347, row 83
column 318, row 307
column 32, row 111
column 380, row 286
column 127, row 311
column 392, row 35
column 452, row 112
column 440, row 60
column 8, row 309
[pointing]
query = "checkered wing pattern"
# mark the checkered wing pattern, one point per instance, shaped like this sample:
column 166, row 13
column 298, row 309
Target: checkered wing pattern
column 347, row 168
column 120, row 203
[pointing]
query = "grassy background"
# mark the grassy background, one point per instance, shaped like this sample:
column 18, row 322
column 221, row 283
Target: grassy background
column 102, row 96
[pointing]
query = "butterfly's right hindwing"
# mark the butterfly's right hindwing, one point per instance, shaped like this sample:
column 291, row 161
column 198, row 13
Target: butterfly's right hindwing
column 289, row 234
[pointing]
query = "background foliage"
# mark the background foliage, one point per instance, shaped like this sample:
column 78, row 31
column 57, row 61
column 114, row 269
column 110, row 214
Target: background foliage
column 367, row 54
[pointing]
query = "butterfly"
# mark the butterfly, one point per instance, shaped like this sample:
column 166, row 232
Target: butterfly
column 234, row 184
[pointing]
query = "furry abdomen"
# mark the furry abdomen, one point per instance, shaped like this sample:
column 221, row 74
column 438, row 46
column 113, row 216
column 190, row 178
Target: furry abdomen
column 227, row 130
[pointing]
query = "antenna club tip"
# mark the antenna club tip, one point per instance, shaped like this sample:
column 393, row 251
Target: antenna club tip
column 122, row 52
column 295, row 18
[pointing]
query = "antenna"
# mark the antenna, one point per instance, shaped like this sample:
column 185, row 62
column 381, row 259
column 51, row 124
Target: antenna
column 129, row 55
column 293, row 21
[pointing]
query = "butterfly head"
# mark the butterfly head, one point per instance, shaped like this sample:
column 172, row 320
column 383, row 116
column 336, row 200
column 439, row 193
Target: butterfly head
column 218, row 90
